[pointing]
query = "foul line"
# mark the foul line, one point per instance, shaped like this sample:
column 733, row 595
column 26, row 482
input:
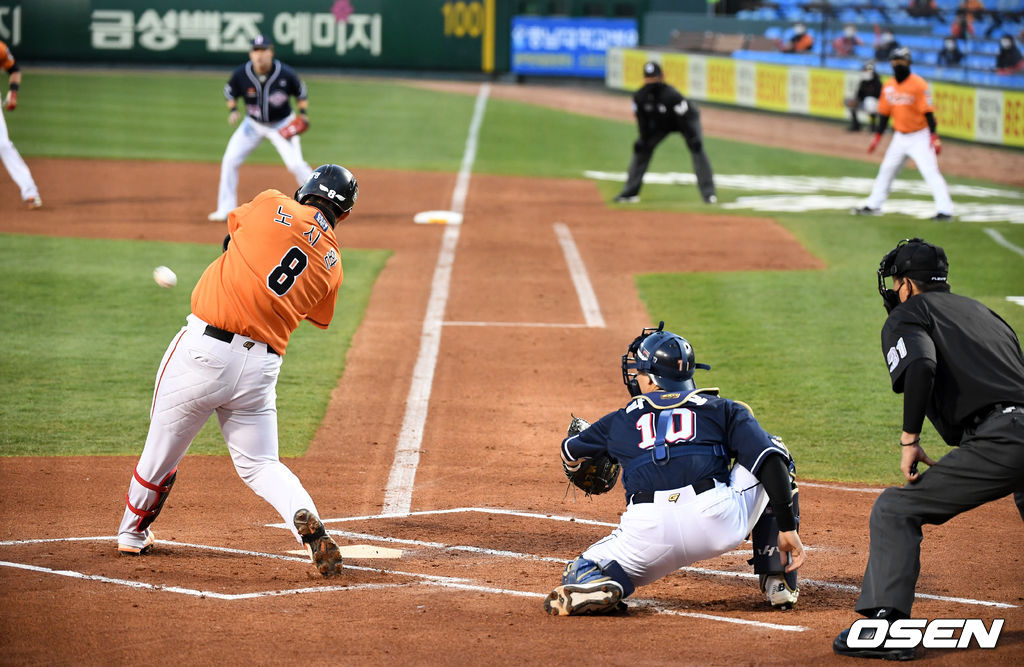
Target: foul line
column 580, row 279
column 517, row 324
column 398, row 494
column 1001, row 240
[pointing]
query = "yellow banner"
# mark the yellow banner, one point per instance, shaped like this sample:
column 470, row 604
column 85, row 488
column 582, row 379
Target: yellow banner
column 954, row 110
column 721, row 80
column 827, row 92
column 676, row 70
column 633, row 69
column 772, row 87
column 1013, row 118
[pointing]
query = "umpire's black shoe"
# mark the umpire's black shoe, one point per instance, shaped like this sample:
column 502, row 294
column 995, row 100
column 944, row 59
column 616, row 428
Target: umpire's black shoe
column 840, row 647
column 942, row 217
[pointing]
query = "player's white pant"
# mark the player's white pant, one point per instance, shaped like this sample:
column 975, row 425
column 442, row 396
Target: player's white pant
column 917, row 146
column 680, row 528
column 243, row 142
column 198, row 376
column 16, row 166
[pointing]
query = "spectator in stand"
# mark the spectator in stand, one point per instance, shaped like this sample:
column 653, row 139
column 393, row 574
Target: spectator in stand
column 966, row 13
column 885, row 45
column 866, row 99
column 799, row 42
column 950, row 55
column 844, row 44
column 920, row 8
column 1009, row 59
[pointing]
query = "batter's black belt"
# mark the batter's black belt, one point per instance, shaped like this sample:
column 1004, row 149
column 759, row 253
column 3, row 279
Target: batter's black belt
column 227, row 336
column 991, row 411
column 699, row 487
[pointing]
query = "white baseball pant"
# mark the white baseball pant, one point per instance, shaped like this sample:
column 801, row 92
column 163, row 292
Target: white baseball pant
column 198, row 376
column 917, row 146
column 243, row 142
column 654, row 539
column 16, row 166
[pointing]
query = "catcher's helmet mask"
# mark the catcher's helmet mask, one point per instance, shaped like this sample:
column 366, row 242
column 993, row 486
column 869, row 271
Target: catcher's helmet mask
column 330, row 185
column 663, row 356
column 915, row 259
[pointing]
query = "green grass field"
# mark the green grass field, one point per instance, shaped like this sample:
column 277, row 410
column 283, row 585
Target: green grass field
column 801, row 347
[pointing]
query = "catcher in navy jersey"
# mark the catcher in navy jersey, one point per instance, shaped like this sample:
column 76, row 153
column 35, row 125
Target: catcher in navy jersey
column 699, row 473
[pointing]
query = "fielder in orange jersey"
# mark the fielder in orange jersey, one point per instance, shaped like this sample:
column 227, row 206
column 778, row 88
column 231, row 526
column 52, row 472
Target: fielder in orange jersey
column 280, row 265
column 10, row 156
column 907, row 99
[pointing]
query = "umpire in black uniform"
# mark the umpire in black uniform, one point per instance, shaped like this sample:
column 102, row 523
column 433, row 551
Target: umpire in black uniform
column 661, row 110
column 960, row 364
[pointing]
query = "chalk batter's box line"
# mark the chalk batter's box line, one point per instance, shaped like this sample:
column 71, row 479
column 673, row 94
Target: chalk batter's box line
column 424, row 579
column 829, row 585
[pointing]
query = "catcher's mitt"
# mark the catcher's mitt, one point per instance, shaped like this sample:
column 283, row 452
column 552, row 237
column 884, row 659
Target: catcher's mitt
column 595, row 475
column 298, row 125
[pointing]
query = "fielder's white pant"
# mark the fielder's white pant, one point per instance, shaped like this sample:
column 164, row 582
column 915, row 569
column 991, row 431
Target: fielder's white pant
column 243, row 142
column 198, row 376
column 680, row 528
column 915, row 145
column 16, row 166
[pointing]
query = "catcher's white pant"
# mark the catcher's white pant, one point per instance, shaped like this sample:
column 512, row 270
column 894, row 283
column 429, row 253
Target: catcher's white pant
column 198, row 376
column 915, row 145
column 680, row 528
column 244, row 141
column 16, row 166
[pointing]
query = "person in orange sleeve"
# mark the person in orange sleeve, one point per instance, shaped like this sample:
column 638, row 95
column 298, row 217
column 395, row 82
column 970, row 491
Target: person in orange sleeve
column 799, row 42
column 10, row 156
column 907, row 99
column 280, row 266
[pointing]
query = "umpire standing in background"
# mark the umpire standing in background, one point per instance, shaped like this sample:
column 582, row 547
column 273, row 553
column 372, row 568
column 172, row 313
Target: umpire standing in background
column 960, row 364
column 661, row 110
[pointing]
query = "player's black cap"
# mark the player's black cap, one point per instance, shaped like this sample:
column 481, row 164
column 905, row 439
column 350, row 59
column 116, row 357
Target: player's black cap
column 915, row 258
column 652, row 68
column 262, row 42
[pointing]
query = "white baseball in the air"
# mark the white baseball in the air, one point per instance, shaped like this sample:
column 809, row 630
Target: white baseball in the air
column 164, row 277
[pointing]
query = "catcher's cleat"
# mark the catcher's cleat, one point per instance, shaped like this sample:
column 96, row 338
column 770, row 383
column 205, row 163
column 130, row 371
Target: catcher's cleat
column 866, row 210
column 777, row 591
column 626, row 199
column 320, row 546
column 840, row 647
column 217, row 216
column 594, row 597
column 129, row 550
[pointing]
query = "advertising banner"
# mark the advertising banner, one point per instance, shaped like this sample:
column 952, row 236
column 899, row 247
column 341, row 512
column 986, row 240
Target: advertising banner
column 567, row 46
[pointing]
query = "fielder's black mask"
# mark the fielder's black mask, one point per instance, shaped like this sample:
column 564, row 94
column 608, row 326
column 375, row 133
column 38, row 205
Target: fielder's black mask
column 915, row 259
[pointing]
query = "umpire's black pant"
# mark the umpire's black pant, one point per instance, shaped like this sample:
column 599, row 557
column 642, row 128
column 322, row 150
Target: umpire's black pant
column 988, row 465
column 644, row 147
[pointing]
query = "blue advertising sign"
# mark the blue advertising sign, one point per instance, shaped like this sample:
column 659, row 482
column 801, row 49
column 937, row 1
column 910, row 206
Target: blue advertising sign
column 567, row 46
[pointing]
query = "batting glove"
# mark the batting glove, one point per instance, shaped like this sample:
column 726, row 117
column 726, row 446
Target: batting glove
column 874, row 142
column 936, row 143
column 11, row 101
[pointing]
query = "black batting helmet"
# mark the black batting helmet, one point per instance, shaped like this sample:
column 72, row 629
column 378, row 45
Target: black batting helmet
column 902, row 53
column 665, row 357
column 333, row 184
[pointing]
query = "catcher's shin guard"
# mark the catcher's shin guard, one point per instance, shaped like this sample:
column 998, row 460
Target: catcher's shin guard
column 146, row 517
column 780, row 588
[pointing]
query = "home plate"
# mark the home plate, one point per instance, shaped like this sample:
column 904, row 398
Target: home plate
column 438, row 218
column 359, row 551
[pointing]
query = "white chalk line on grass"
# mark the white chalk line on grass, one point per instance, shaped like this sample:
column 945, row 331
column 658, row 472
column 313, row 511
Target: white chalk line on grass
column 580, row 279
column 1001, row 240
column 398, row 493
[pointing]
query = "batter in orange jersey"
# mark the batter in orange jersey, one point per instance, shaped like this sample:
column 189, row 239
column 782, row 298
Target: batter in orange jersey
column 907, row 99
column 280, row 265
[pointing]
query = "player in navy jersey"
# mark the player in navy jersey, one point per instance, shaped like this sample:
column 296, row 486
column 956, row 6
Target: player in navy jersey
column 698, row 472
column 266, row 86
